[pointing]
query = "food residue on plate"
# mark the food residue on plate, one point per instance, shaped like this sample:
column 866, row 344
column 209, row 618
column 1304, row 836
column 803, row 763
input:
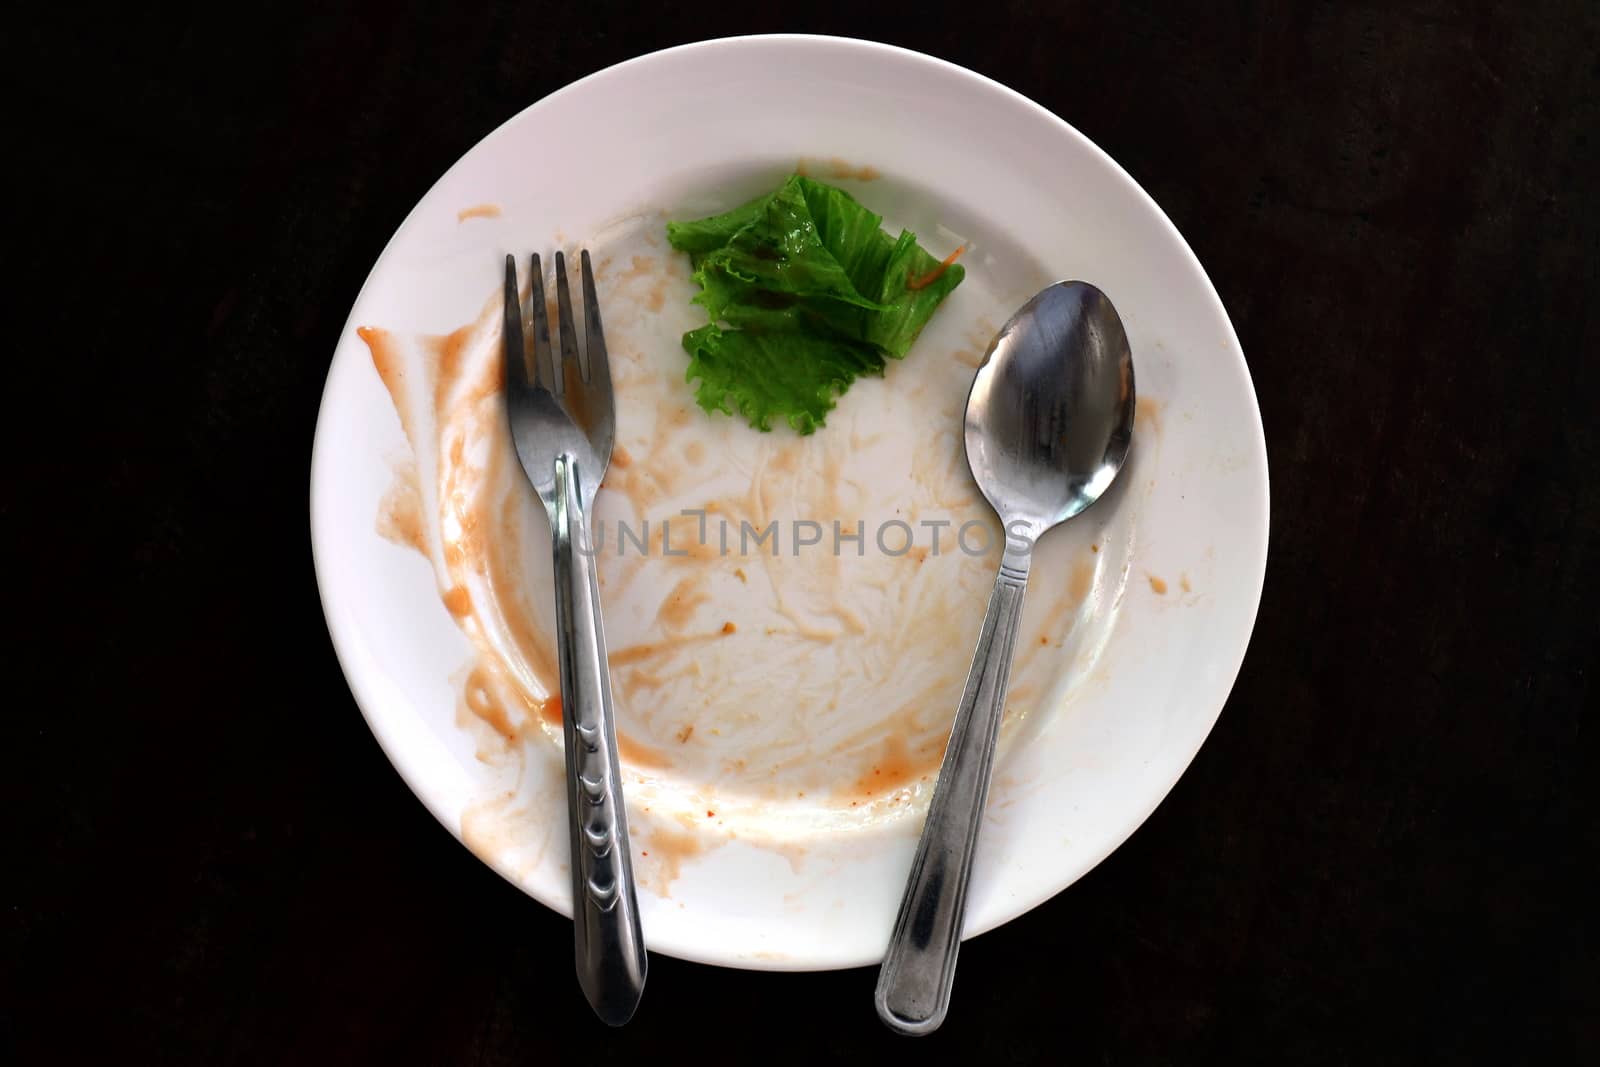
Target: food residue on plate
column 777, row 643
column 478, row 211
column 837, row 169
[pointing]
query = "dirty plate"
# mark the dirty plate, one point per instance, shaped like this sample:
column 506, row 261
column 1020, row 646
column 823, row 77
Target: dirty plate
column 790, row 618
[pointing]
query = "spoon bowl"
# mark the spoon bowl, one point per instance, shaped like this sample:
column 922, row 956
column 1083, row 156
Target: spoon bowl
column 1046, row 435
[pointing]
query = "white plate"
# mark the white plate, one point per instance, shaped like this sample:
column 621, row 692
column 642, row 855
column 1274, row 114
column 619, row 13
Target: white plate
column 1138, row 613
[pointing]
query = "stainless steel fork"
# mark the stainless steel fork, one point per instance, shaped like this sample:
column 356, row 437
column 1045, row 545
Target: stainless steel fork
column 563, row 423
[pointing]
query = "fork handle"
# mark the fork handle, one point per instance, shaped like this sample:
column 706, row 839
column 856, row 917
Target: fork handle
column 919, row 965
column 608, row 942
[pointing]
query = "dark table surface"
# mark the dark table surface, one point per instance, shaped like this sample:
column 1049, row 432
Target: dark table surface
column 1375, row 857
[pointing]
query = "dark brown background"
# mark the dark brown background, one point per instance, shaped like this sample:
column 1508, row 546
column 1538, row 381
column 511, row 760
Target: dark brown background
column 1375, row 858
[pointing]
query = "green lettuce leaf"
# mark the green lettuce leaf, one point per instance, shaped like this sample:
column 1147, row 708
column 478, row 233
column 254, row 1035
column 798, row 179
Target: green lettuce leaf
column 805, row 293
column 763, row 376
column 708, row 235
column 906, row 311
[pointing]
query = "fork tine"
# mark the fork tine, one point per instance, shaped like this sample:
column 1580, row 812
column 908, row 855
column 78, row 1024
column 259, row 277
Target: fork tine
column 514, row 344
column 544, row 374
column 564, row 321
column 595, row 362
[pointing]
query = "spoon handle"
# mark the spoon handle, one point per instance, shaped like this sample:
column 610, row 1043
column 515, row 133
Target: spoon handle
column 608, row 942
column 914, row 983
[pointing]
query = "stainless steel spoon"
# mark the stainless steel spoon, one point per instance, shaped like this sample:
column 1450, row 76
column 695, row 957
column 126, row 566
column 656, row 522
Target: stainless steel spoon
column 1049, row 422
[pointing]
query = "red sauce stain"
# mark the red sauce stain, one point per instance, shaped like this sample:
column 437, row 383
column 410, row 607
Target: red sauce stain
column 785, row 460
column 481, row 702
column 639, row 268
column 899, row 765
column 1147, row 412
column 640, row 755
column 386, row 361
column 400, row 512
column 459, row 601
column 671, row 848
column 636, row 654
column 836, row 168
column 1081, row 580
column 447, row 353
column 678, row 608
